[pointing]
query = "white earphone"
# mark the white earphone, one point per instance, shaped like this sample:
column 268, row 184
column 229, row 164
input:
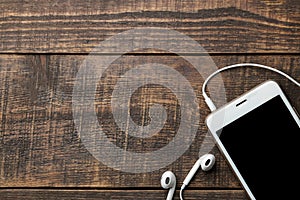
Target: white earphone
column 168, row 181
column 206, row 162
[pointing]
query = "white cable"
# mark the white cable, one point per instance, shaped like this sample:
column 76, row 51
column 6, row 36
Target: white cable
column 209, row 102
column 180, row 193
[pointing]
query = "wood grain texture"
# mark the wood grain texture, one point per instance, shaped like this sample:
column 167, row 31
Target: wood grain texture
column 38, row 194
column 220, row 26
column 42, row 46
column 40, row 146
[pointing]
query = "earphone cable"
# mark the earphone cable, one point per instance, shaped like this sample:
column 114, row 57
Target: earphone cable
column 208, row 100
column 180, row 193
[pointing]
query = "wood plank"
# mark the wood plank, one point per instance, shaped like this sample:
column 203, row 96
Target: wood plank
column 39, row 145
column 49, row 194
column 226, row 26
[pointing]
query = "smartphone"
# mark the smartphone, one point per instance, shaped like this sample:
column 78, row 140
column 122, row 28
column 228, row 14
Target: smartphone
column 258, row 133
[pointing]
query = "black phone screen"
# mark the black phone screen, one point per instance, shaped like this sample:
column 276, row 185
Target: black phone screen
column 264, row 145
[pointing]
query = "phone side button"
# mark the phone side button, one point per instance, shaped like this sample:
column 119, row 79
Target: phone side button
column 296, row 112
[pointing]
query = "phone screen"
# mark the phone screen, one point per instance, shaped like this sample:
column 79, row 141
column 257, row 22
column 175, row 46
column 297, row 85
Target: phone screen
column 264, row 145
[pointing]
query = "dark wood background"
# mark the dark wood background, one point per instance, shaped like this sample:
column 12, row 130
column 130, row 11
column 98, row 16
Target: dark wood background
column 42, row 44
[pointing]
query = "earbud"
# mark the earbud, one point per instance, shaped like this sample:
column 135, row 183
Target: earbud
column 168, row 181
column 206, row 162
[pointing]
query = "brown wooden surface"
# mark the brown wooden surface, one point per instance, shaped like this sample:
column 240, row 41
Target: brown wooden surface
column 81, row 194
column 218, row 25
column 42, row 46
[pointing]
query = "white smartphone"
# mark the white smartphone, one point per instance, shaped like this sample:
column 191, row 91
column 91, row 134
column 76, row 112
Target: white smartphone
column 258, row 133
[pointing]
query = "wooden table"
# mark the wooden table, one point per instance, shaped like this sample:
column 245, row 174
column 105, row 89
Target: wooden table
column 43, row 45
